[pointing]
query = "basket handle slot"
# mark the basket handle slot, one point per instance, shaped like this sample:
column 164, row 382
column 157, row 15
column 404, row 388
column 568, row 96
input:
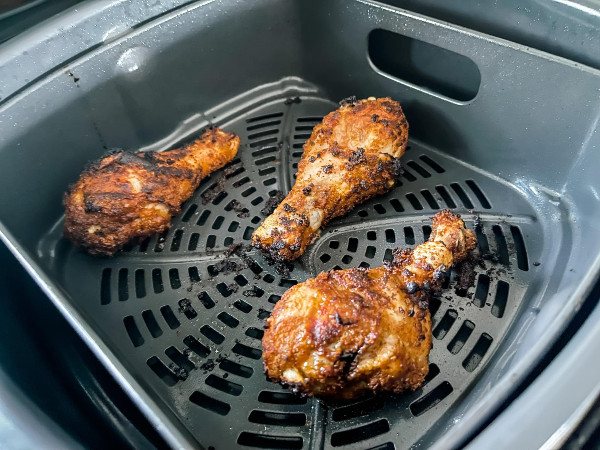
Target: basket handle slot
column 425, row 65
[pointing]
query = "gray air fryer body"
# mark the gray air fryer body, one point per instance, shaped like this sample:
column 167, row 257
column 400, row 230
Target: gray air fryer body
column 499, row 132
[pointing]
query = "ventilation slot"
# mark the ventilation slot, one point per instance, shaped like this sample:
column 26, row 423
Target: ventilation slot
column 482, row 290
column 310, row 119
column 363, row 408
column 434, row 371
column 185, row 307
column 248, row 233
column 414, row 201
column 140, row 284
column 482, row 241
column 162, row 371
column 269, row 441
column 388, row 255
column 445, row 324
column 217, row 224
column 520, row 248
column 434, row 305
column 268, row 159
column 226, row 289
column 174, row 279
column 466, row 201
column 264, row 151
column 302, row 136
column 224, row 386
column 133, row 331
column 426, row 232
column 324, row 258
column 370, row 252
column 212, row 404
column 281, row 398
column 241, row 280
column 255, row 333
column 248, row 352
column 123, row 287
column 379, row 209
column 157, row 283
column 242, row 306
column 263, row 314
column 360, row 433
column 417, row 168
column 386, row 446
column 262, row 134
column 430, row 199
column 176, row 242
column 194, row 274
column 178, row 358
column 212, row 334
column 396, row 205
column 266, row 171
column 274, row 298
column 501, row 247
column 105, row 287
column 160, row 242
column 445, row 196
column 408, row 176
column 479, row 194
column 194, row 239
column 431, row 399
column 203, row 217
column 144, row 245
column 197, row 347
column 241, row 182
column 352, row 245
column 431, row 163
column 263, row 142
column 151, row 323
column 265, row 117
column 461, row 337
column 308, row 128
column 236, row 369
column 263, row 125
column 390, row 236
column 501, row 298
column 169, row 317
column 409, row 236
column 277, row 418
column 481, row 347
column 206, row 300
column 232, row 172
column 228, row 319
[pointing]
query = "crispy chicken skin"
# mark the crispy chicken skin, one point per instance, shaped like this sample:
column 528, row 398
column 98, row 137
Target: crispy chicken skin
column 346, row 332
column 349, row 158
column 127, row 195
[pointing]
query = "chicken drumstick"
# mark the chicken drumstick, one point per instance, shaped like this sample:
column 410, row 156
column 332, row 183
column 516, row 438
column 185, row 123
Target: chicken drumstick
column 350, row 331
column 349, row 158
column 131, row 195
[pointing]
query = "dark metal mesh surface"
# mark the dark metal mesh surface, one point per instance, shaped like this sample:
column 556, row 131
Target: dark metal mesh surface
column 191, row 335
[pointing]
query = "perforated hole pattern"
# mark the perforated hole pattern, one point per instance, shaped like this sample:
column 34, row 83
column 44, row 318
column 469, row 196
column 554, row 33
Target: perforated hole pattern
column 194, row 333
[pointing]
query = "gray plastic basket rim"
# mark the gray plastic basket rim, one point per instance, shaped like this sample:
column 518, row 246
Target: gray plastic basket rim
column 476, row 416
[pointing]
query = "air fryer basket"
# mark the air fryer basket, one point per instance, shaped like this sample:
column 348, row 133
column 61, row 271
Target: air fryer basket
column 182, row 335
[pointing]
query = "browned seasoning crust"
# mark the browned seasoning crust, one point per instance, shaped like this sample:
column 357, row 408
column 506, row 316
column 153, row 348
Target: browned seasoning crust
column 132, row 195
column 350, row 331
column 349, row 158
